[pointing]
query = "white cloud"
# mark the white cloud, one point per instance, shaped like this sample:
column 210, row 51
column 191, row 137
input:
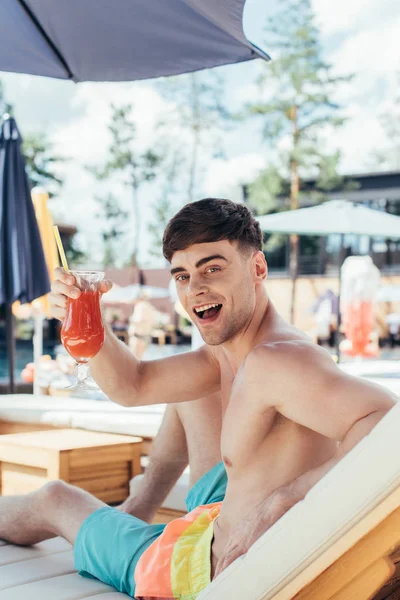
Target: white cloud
column 224, row 177
column 85, row 140
column 364, row 41
column 354, row 15
column 87, row 137
column 372, row 52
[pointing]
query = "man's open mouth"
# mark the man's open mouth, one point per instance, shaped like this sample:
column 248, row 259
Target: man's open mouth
column 207, row 311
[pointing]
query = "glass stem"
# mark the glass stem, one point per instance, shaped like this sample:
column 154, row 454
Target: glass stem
column 82, row 372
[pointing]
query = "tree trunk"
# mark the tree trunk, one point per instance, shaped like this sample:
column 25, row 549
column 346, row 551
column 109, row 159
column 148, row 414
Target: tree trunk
column 294, row 270
column 196, row 138
column 294, row 204
column 136, row 213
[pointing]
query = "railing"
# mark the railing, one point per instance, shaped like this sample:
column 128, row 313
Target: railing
column 312, row 265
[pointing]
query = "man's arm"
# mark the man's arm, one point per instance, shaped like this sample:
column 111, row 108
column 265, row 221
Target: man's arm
column 131, row 382
column 307, row 387
column 168, row 459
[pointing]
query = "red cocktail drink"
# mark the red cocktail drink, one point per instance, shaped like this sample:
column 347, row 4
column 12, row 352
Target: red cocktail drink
column 82, row 333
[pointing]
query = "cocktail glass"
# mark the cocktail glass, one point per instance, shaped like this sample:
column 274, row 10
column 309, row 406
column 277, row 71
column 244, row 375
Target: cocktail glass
column 82, row 333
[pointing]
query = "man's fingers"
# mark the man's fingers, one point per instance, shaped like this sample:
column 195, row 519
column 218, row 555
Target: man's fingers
column 58, row 300
column 58, row 313
column 58, row 287
column 62, row 275
column 105, row 286
column 228, row 559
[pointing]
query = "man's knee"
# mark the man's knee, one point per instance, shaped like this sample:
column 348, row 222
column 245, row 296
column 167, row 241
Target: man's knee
column 54, row 493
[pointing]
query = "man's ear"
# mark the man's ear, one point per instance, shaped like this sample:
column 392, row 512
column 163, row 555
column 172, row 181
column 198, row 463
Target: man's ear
column 261, row 265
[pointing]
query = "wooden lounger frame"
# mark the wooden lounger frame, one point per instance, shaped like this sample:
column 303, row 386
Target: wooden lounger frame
column 20, row 427
column 358, row 565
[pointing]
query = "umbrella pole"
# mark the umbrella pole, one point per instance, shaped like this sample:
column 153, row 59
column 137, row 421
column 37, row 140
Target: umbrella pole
column 37, row 350
column 10, row 346
column 338, row 315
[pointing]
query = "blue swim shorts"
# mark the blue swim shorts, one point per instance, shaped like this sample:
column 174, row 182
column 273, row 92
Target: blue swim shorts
column 109, row 543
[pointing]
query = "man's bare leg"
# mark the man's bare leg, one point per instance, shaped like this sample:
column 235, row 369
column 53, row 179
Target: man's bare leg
column 190, row 433
column 56, row 509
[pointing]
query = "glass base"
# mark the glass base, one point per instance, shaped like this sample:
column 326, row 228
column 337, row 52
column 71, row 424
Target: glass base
column 84, row 381
column 87, row 384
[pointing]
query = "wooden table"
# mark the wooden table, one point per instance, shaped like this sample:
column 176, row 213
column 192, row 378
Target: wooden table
column 101, row 463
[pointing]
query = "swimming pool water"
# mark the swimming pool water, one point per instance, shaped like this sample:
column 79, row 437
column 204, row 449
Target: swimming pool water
column 24, row 355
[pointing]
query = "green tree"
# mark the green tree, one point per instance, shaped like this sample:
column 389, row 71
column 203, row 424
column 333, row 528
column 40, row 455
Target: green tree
column 296, row 105
column 162, row 213
column 41, row 162
column 113, row 220
column 164, row 207
column 197, row 110
column 75, row 255
column 388, row 158
column 133, row 165
column 4, row 106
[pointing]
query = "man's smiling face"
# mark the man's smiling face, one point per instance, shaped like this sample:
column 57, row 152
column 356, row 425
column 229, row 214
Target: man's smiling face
column 216, row 288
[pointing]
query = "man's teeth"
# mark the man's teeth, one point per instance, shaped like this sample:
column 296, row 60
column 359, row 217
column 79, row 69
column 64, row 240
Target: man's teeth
column 206, row 307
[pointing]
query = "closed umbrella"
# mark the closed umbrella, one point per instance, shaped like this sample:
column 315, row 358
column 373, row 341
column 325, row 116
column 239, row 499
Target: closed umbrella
column 23, row 271
column 94, row 40
column 334, row 217
column 41, row 305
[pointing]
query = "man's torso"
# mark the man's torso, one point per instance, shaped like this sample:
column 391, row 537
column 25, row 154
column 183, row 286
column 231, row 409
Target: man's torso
column 262, row 450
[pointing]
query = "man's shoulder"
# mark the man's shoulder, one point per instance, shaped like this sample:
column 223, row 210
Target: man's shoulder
column 294, row 357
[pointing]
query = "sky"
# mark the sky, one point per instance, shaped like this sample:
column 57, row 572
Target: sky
column 357, row 37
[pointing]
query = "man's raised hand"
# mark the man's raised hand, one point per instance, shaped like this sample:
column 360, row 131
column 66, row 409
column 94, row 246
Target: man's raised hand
column 63, row 287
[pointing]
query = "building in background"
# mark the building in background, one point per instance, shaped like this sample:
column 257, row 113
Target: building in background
column 318, row 255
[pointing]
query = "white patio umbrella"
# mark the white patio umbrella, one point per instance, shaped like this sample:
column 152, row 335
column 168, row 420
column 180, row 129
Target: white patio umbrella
column 334, row 217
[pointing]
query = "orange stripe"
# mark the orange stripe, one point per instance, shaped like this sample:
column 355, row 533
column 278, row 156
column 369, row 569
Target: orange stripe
column 153, row 570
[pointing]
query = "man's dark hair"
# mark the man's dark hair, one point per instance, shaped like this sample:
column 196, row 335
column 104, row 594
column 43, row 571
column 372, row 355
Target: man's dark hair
column 211, row 220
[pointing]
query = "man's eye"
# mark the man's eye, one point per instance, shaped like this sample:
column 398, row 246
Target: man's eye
column 213, row 269
column 181, row 278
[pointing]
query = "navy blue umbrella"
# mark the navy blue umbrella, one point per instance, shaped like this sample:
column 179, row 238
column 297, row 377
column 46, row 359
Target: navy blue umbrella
column 121, row 40
column 23, row 271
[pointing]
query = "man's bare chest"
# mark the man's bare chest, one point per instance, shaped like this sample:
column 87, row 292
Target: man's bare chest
column 253, row 433
column 246, row 424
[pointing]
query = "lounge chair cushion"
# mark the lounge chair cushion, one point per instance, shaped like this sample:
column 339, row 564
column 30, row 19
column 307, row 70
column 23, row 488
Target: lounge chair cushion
column 83, row 414
column 46, row 572
column 363, row 479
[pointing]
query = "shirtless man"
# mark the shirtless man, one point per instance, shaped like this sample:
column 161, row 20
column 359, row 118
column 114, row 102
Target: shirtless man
column 290, row 414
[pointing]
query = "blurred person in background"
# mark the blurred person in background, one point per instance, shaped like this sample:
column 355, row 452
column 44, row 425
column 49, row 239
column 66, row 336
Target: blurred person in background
column 141, row 324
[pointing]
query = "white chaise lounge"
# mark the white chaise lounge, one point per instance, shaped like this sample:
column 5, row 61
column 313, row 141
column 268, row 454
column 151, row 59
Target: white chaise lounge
column 335, row 544
column 25, row 412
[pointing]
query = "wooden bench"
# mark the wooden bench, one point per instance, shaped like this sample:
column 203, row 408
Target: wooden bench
column 101, row 463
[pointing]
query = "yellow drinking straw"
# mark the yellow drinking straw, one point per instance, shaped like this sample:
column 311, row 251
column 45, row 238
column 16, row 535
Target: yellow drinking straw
column 60, row 248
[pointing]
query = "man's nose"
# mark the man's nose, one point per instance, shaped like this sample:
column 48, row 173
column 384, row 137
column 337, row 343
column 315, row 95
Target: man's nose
column 196, row 286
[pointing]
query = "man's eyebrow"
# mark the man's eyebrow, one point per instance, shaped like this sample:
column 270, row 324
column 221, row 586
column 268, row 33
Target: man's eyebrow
column 207, row 259
column 200, row 262
column 177, row 270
